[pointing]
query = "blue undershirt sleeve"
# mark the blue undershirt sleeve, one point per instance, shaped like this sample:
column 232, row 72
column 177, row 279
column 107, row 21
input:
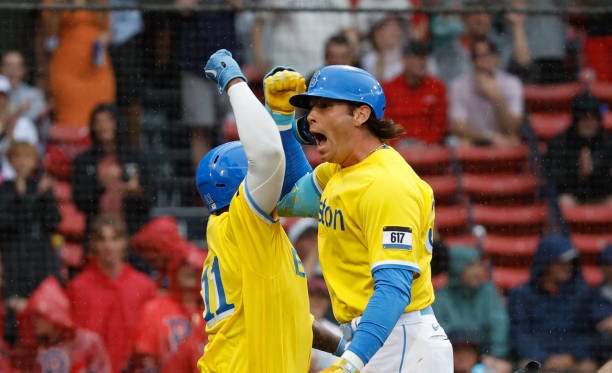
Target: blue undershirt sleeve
column 296, row 163
column 392, row 293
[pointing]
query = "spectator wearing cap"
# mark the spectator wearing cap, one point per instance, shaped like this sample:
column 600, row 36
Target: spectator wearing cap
column 601, row 309
column 471, row 302
column 486, row 105
column 12, row 128
column 416, row 100
column 578, row 162
column 548, row 313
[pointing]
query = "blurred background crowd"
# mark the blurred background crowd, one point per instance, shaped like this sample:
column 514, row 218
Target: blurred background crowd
column 105, row 113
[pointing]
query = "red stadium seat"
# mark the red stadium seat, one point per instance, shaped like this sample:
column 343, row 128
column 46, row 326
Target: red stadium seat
column 493, row 159
column 432, row 160
column 510, row 250
column 511, row 220
column 57, row 163
column 550, row 97
column 592, row 275
column 72, row 140
column 71, row 254
column 591, row 244
column 464, row 240
column 72, row 224
column 592, row 218
column 507, row 278
column 63, row 191
column 548, row 125
column 451, row 220
column 501, row 189
column 608, row 121
column 603, row 91
column 444, row 188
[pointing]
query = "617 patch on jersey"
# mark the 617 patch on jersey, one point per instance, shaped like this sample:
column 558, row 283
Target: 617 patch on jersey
column 397, row 238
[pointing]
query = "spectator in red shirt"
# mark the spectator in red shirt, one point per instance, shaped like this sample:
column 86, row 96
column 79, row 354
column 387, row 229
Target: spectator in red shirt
column 61, row 346
column 417, row 100
column 168, row 320
column 185, row 359
column 108, row 296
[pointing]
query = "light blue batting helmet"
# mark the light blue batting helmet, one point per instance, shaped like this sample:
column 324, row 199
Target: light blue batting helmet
column 347, row 83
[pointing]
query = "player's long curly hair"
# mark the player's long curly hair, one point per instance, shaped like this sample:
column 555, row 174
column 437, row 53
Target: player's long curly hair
column 384, row 129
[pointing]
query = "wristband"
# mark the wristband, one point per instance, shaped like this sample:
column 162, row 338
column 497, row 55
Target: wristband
column 351, row 362
column 283, row 121
column 341, row 347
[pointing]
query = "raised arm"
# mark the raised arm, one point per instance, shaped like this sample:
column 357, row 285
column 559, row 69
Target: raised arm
column 257, row 131
column 299, row 196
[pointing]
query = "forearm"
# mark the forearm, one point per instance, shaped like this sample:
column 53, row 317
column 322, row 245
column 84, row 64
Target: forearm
column 262, row 145
column 522, row 53
column 510, row 123
column 324, row 339
column 392, row 293
column 461, row 130
column 258, row 39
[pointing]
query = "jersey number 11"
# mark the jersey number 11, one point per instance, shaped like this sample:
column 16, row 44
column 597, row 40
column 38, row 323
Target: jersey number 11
column 212, row 275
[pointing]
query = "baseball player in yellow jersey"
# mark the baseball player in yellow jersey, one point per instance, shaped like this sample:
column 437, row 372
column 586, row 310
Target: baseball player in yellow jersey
column 376, row 221
column 253, row 282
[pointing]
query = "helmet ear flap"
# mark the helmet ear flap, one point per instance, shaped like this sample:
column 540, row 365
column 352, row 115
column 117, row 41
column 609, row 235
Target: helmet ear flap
column 302, row 131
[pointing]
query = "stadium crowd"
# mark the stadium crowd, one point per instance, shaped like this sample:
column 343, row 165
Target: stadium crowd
column 505, row 116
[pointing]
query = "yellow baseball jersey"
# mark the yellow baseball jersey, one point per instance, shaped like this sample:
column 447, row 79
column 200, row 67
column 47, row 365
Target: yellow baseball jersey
column 255, row 294
column 375, row 214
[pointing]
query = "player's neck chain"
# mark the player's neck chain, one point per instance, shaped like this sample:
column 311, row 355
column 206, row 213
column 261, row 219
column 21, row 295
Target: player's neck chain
column 381, row 146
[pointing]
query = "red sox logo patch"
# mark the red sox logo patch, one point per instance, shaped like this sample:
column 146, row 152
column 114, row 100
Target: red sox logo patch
column 178, row 329
column 54, row 360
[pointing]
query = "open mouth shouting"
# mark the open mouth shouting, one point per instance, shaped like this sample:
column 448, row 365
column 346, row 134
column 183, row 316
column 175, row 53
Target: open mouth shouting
column 319, row 138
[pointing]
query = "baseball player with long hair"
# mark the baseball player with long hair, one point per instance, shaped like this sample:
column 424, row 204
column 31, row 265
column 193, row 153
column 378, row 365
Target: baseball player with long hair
column 253, row 282
column 376, row 223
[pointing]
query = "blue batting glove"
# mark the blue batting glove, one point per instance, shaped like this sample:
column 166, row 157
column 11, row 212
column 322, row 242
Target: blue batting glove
column 222, row 68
